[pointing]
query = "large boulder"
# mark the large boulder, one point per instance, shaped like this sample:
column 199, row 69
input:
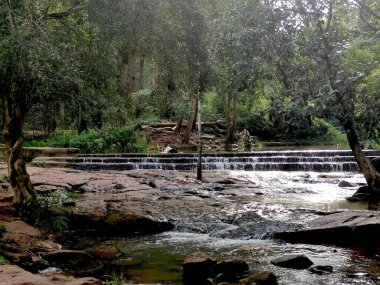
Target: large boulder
column 198, row 267
column 344, row 229
column 376, row 162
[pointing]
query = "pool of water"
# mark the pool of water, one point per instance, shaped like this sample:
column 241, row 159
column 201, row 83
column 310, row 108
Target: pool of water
column 293, row 197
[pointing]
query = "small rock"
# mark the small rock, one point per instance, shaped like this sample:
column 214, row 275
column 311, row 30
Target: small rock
column 169, row 149
column 262, row 278
column 63, row 257
column 198, row 267
column 232, row 270
column 293, row 261
column 345, row 183
column 226, row 181
column 103, row 252
column 51, row 270
column 321, row 269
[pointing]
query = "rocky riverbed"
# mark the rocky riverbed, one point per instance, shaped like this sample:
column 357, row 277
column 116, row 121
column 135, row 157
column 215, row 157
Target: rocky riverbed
column 145, row 223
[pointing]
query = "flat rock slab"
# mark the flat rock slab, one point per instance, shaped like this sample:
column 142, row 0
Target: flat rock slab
column 111, row 202
column 344, row 229
column 14, row 275
column 26, row 236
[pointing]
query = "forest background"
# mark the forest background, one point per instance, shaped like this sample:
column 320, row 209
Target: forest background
column 88, row 74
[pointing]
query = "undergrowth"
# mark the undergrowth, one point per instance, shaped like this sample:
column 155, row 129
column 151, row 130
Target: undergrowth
column 329, row 135
column 118, row 280
column 115, row 140
column 3, row 261
column 3, row 231
column 48, row 211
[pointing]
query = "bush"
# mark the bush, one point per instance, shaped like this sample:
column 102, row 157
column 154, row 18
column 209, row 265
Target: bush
column 326, row 134
column 3, row 261
column 3, row 230
column 48, row 210
column 115, row 140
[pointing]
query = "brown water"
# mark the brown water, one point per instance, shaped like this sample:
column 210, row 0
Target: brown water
column 288, row 197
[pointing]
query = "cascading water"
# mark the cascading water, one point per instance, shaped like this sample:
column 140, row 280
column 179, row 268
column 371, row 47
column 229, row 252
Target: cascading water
column 237, row 220
column 240, row 229
column 320, row 161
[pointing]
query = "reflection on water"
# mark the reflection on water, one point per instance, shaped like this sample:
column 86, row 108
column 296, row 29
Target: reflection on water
column 297, row 197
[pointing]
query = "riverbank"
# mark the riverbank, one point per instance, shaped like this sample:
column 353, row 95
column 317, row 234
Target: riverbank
column 229, row 215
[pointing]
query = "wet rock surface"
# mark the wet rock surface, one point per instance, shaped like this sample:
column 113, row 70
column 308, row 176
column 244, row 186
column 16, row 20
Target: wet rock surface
column 225, row 206
column 200, row 268
column 14, row 275
column 293, row 261
column 344, row 228
column 261, row 278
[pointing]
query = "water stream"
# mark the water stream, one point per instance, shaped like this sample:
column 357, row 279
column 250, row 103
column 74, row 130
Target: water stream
column 278, row 199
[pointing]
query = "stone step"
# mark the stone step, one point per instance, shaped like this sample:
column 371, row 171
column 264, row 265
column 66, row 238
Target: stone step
column 52, row 164
column 33, row 152
column 291, row 153
column 318, row 167
column 205, row 159
column 254, row 161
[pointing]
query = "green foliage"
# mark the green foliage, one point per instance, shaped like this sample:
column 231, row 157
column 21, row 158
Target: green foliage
column 93, row 141
column 328, row 135
column 212, row 106
column 3, row 261
column 3, row 231
column 48, row 210
column 118, row 280
column 122, row 62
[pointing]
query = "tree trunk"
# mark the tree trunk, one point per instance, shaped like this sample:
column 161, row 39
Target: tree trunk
column 14, row 118
column 366, row 167
column 141, row 74
column 61, row 114
column 231, row 121
column 191, row 121
column 178, row 126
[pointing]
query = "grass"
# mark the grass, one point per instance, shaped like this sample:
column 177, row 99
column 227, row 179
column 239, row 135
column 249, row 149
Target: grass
column 118, row 280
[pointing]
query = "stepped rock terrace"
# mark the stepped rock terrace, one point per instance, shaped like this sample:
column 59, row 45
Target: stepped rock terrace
column 319, row 161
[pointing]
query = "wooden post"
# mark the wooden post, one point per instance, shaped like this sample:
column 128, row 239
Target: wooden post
column 199, row 165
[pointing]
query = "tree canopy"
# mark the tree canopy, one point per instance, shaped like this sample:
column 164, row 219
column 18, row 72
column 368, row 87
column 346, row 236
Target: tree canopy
column 283, row 69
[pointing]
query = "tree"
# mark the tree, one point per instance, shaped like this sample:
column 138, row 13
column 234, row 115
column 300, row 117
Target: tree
column 194, row 25
column 32, row 69
column 333, row 33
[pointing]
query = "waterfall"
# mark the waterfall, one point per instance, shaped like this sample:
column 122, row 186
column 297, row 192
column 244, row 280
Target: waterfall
column 319, row 161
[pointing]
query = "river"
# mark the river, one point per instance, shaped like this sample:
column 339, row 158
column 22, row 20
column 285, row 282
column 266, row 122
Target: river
column 248, row 216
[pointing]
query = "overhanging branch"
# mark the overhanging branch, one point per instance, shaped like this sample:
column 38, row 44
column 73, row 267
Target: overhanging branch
column 64, row 14
column 367, row 9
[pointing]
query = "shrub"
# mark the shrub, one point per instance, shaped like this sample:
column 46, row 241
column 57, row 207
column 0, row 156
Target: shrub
column 3, row 261
column 113, row 140
column 3, row 230
column 48, row 210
